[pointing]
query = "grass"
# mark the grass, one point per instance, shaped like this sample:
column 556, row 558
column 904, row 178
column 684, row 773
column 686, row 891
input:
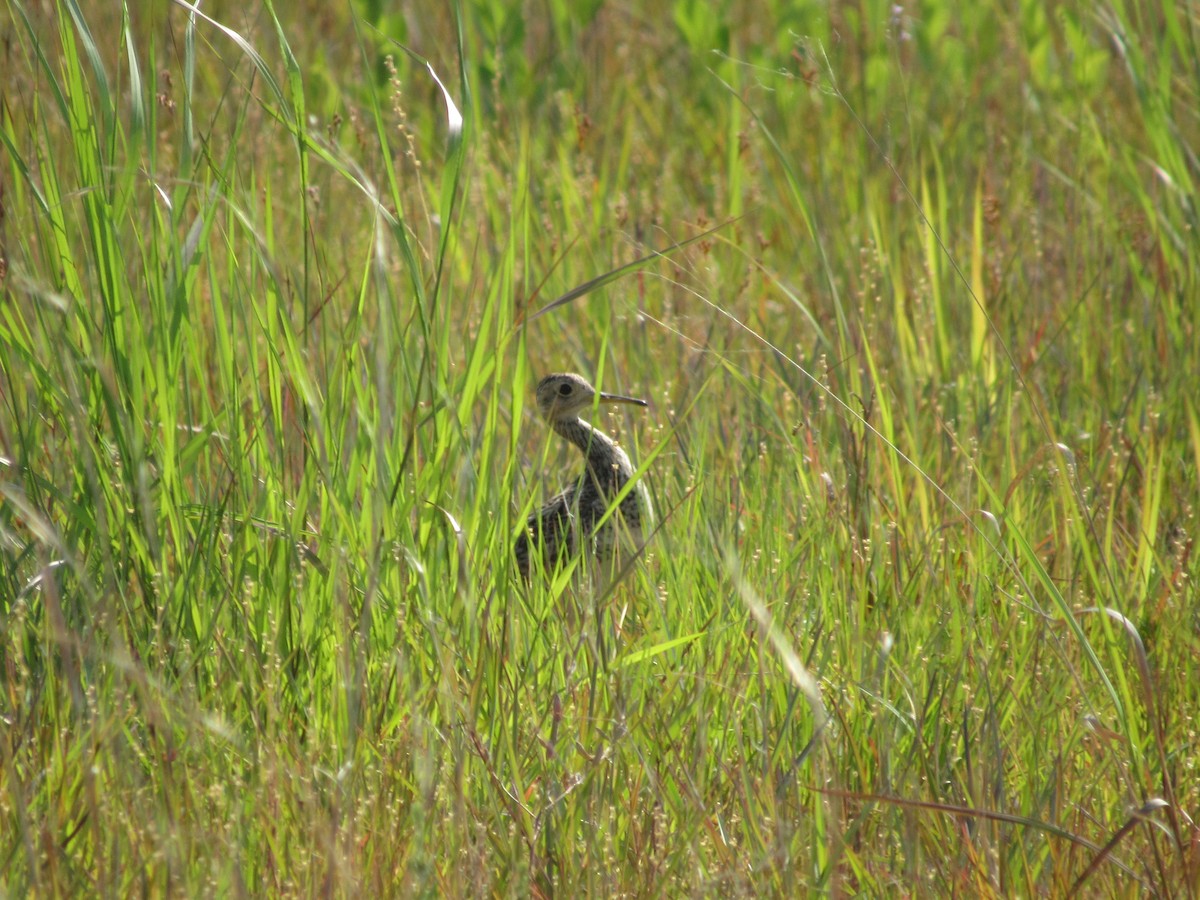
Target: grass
column 921, row 613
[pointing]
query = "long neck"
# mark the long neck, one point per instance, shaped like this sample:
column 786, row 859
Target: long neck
column 596, row 446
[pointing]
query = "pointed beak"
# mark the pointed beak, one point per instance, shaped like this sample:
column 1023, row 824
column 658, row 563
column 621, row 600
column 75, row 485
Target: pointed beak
column 617, row 398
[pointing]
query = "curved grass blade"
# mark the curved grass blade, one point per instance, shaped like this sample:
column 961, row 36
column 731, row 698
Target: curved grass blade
column 608, row 277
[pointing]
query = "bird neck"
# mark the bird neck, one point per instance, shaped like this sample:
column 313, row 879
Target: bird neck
column 597, row 446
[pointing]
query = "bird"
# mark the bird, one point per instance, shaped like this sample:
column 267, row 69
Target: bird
column 569, row 521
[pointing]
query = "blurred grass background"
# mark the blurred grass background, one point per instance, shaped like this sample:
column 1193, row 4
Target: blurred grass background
column 923, row 429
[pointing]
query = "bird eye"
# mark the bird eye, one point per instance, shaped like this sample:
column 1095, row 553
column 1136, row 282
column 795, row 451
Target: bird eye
column 564, row 390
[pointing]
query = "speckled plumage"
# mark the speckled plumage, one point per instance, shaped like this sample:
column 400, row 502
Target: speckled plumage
column 572, row 515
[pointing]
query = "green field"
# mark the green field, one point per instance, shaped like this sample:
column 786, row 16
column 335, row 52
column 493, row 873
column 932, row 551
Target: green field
column 913, row 291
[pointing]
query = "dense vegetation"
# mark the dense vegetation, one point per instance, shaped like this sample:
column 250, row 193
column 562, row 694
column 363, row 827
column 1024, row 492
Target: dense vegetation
column 913, row 291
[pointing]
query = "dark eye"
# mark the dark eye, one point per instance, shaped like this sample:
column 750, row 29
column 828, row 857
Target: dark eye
column 564, row 390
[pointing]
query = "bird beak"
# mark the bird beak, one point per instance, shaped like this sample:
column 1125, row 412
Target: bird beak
column 617, row 398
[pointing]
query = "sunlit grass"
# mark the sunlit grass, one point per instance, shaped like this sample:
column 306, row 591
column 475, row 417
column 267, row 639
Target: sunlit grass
column 919, row 616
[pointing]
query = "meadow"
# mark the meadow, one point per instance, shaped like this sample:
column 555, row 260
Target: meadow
column 912, row 290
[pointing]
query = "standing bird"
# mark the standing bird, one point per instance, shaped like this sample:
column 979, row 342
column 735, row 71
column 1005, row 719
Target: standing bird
column 570, row 518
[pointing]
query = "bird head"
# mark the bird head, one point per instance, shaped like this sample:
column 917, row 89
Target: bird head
column 564, row 395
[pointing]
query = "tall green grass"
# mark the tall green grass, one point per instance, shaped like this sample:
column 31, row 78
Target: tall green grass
column 919, row 615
